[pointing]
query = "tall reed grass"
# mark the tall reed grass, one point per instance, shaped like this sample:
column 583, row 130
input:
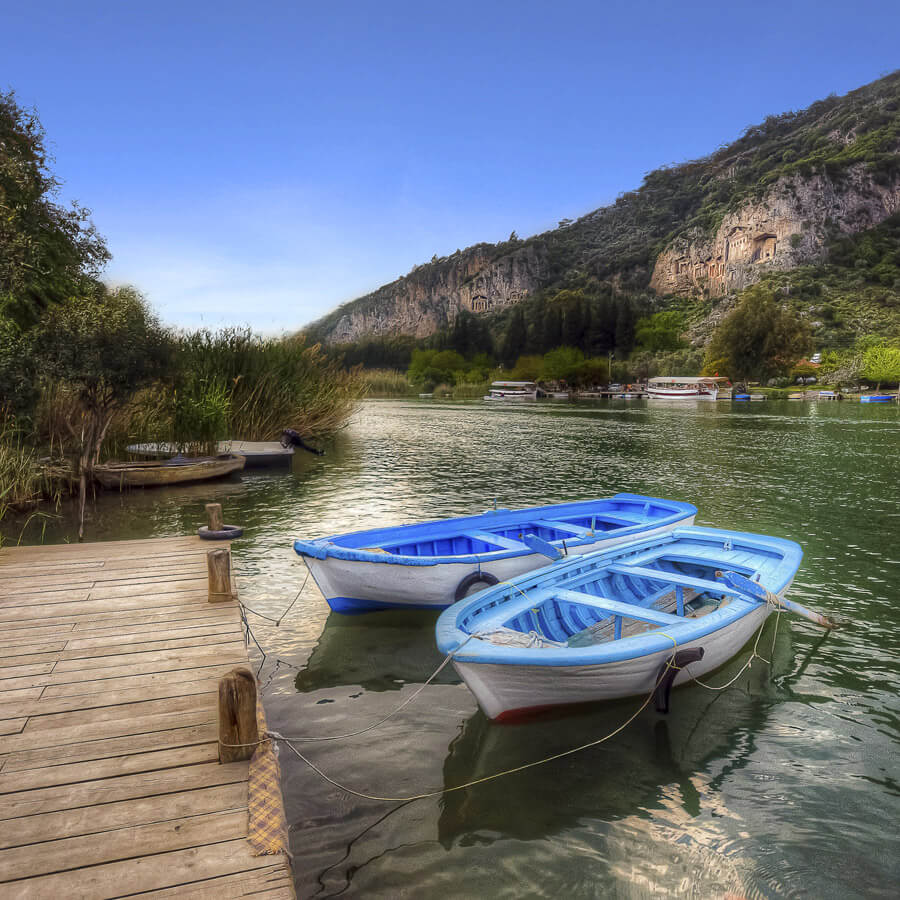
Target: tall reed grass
column 387, row 383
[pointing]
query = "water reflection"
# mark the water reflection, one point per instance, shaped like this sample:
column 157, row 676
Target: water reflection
column 378, row 651
column 617, row 779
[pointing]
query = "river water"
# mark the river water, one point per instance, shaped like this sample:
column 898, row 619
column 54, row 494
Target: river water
column 785, row 784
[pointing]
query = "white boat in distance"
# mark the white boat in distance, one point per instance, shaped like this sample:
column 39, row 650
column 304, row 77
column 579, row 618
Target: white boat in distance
column 686, row 387
column 512, row 390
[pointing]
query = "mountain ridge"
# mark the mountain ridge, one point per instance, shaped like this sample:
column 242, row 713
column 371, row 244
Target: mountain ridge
column 770, row 201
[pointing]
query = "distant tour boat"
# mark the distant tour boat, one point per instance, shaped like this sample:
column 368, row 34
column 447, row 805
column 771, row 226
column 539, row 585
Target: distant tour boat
column 434, row 564
column 158, row 473
column 684, row 387
column 605, row 626
column 512, row 390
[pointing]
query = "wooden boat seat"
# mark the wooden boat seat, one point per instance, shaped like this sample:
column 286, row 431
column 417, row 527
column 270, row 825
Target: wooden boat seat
column 575, row 530
column 498, row 540
column 617, row 608
column 698, row 584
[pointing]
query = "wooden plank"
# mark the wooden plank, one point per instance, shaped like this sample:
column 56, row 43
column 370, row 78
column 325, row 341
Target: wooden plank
column 224, row 648
column 122, row 843
column 275, row 884
column 125, row 787
column 130, row 813
column 151, row 682
column 43, row 738
column 12, row 726
column 148, row 602
column 146, row 873
column 26, row 772
column 47, row 706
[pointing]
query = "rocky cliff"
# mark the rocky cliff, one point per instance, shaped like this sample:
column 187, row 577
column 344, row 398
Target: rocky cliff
column 429, row 298
column 790, row 226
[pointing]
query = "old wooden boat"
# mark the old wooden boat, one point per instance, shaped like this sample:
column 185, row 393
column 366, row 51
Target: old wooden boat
column 433, row 564
column 603, row 626
column 258, row 454
column 157, row 473
column 877, row 398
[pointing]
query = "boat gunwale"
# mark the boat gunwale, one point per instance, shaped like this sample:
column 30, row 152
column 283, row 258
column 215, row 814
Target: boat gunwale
column 323, row 548
column 450, row 637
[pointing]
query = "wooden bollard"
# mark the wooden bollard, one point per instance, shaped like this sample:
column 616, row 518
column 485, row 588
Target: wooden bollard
column 238, row 731
column 218, row 565
column 214, row 519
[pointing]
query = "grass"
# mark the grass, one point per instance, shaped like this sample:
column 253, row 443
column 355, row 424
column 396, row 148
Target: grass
column 387, row 383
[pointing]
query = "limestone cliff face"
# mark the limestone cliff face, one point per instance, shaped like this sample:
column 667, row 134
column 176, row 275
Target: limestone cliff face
column 788, row 227
column 431, row 296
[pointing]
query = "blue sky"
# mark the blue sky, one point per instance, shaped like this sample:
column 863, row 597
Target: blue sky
column 261, row 163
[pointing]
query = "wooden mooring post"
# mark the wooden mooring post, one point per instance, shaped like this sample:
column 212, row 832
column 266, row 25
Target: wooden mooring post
column 214, row 519
column 218, row 565
column 238, row 731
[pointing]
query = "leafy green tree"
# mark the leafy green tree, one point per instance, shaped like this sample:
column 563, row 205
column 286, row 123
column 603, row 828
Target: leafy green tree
column 881, row 363
column 661, row 331
column 18, row 390
column 624, row 327
column 47, row 251
column 105, row 345
column 527, row 368
column 758, row 338
column 561, row 364
column 515, row 338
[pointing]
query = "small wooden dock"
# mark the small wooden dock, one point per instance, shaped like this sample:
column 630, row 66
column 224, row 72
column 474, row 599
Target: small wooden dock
column 110, row 785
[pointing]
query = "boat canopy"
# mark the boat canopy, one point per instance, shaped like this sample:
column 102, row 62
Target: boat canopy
column 527, row 385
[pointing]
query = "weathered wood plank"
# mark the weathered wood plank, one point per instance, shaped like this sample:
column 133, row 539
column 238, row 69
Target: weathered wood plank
column 188, row 747
column 105, row 705
column 185, row 777
column 12, row 726
column 131, row 813
column 122, row 843
column 146, row 873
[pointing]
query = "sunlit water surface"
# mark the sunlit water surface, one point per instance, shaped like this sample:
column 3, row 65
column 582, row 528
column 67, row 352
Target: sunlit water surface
column 784, row 785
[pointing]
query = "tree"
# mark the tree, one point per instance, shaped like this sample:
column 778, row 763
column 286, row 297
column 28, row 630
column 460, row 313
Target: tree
column 661, row 331
column 881, row 363
column 561, row 364
column 47, row 252
column 758, row 339
column 18, row 390
column 104, row 345
column 515, row 337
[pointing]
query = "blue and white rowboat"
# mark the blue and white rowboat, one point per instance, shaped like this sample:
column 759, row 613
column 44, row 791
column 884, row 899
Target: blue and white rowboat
column 434, row 564
column 602, row 626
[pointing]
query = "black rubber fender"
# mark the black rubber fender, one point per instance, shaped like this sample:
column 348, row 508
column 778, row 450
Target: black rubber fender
column 473, row 578
column 228, row 533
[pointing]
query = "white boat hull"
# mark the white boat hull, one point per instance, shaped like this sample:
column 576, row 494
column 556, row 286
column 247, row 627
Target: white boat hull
column 350, row 585
column 682, row 393
column 510, row 691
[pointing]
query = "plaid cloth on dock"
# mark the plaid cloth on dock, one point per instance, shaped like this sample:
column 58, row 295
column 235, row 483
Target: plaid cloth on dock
column 268, row 827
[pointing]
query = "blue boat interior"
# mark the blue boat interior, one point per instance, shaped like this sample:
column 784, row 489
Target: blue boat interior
column 503, row 531
column 607, row 596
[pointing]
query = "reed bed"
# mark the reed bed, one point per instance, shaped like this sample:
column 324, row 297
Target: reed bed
column 265, row 385
column 387, row 383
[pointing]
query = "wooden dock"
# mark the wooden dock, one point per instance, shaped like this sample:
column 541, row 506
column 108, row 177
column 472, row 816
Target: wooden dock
column 110, row 785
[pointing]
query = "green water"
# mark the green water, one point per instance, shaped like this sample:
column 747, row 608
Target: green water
column 784, row 785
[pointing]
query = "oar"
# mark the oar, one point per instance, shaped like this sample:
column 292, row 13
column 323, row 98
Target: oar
column 539, row 545
column 754, row 591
